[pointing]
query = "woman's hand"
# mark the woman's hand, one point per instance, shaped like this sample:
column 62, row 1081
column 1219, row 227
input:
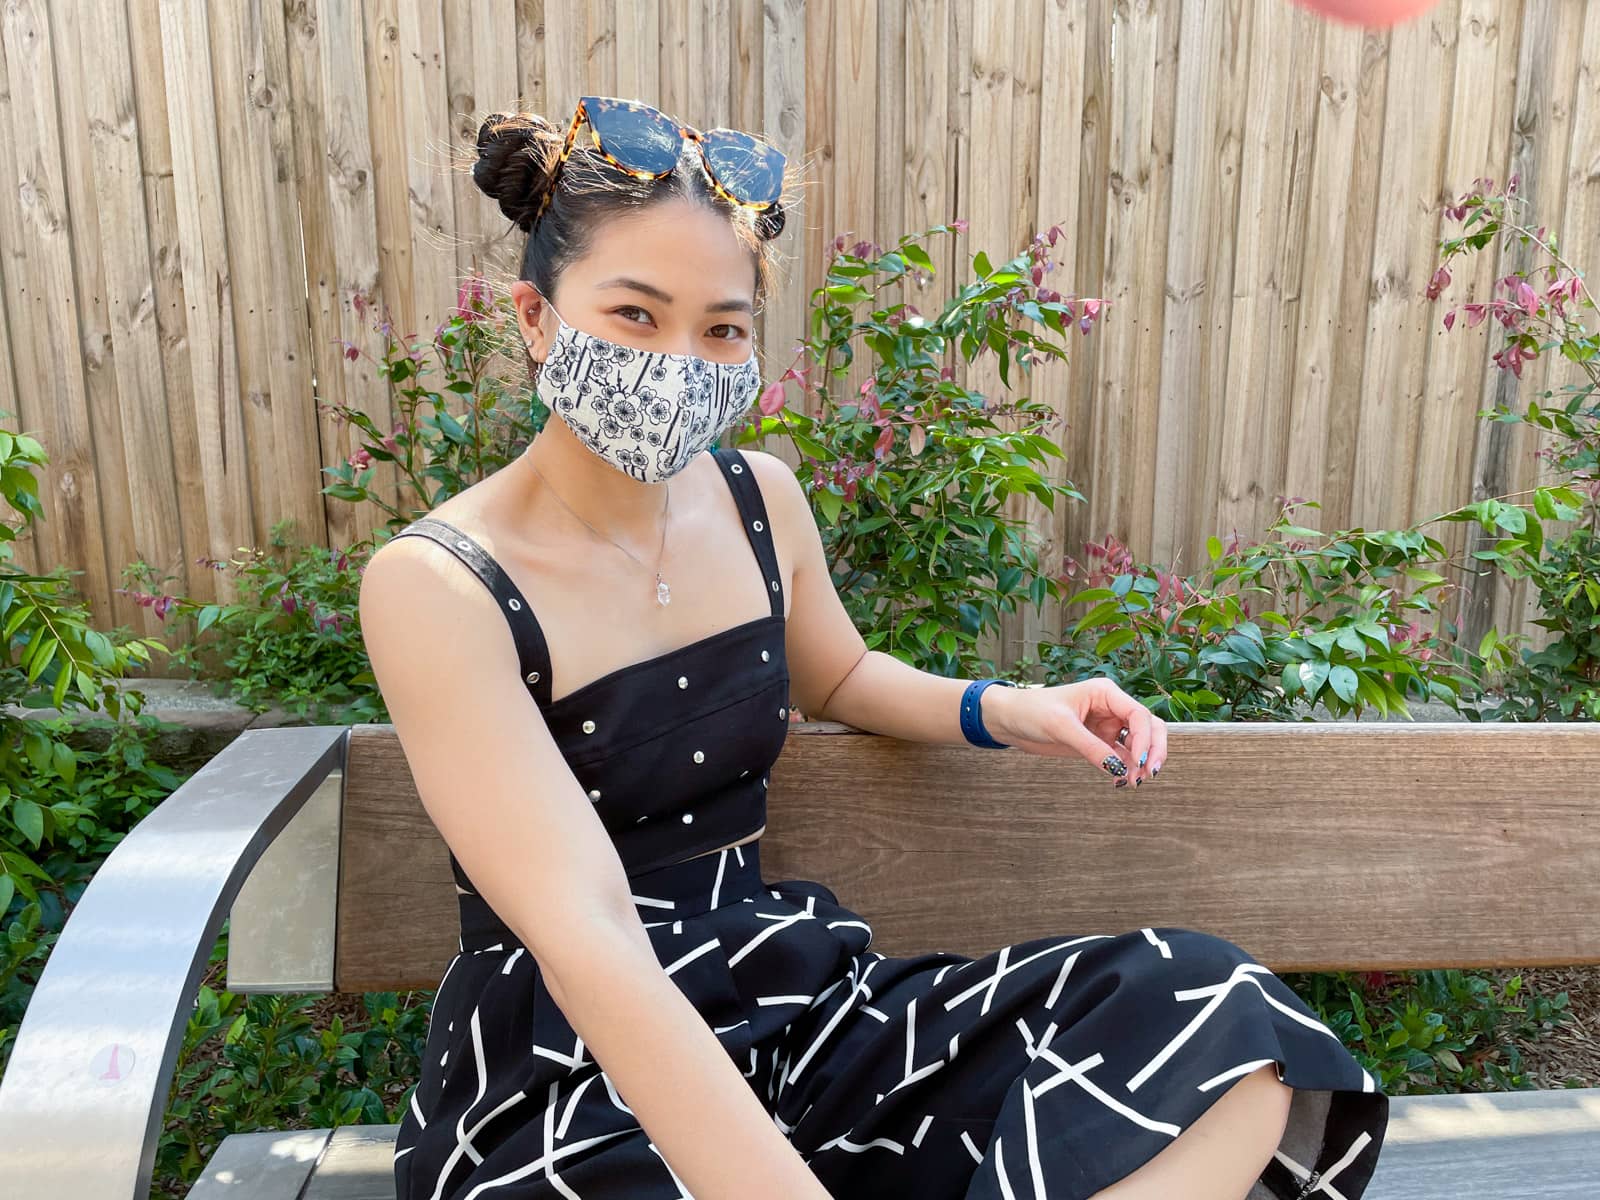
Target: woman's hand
column 1093, row 718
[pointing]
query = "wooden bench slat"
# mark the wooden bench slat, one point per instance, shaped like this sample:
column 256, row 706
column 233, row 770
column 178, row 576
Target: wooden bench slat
column 1314, row 845
column 265, row 1165
column 1537, row 1145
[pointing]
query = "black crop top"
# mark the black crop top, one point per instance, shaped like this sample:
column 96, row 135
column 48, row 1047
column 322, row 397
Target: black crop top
column 672, row 751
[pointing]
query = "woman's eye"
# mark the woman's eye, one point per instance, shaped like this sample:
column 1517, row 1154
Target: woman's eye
column 629, row 308
column 735, row 332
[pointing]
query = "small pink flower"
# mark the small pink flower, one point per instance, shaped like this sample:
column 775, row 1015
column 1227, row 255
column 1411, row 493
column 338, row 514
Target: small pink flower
column 361, row 458
column 959, row 225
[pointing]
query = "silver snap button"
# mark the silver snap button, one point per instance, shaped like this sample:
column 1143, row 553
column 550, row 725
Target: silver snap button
column 765, row 656
column 763, row 782
column 533, row 677
column 465, row 545
column 594, row 793
column 759, row 526
column 514, row 604
column 774, row 585
column 744, row 772
column 688, row 818
column 737, row 469
column 783, row 712
column 699, row 756
column 588, row 726
column 683, row 681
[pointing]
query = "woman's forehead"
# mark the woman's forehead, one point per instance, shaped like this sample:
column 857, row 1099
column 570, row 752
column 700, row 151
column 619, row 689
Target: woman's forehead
column 683, row 254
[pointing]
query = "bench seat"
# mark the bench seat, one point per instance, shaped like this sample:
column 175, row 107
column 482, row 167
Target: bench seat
column 1539, row 1145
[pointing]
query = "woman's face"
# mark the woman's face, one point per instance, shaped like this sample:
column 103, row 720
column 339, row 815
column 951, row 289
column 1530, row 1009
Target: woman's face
column 673, row 277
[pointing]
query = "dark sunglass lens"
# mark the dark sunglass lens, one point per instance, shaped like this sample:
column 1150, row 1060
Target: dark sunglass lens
column 747, row 167
column 635, row 134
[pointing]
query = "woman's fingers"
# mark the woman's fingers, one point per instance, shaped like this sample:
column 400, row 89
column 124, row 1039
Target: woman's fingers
column 1139, row 743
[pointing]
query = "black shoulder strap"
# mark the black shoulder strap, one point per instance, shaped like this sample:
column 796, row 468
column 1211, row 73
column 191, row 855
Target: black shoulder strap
column 533, row 655
column 747, row 495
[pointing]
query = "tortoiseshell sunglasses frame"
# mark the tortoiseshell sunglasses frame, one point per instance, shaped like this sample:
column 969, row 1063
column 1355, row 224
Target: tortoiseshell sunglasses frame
column 686, row 132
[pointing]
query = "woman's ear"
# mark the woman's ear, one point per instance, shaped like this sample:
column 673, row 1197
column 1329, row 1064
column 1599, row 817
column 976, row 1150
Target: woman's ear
column 531, row 324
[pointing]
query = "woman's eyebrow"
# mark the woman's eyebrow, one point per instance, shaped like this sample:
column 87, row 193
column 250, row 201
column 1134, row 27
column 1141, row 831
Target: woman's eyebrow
column 650, row 289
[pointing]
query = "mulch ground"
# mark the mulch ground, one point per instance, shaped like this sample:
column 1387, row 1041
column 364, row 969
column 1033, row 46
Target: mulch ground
column 1569, row 1055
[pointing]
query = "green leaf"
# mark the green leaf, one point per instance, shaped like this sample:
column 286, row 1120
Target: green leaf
column 29, row 818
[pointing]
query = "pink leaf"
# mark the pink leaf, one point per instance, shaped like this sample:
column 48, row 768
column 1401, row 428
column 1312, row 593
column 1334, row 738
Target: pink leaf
column 772, row 399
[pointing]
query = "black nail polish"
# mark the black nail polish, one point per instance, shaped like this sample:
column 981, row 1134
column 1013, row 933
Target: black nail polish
column 1115, row 765
column 1121, row 783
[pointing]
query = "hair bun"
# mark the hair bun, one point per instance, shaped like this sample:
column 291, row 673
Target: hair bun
column 513, row 167
column 770, row 221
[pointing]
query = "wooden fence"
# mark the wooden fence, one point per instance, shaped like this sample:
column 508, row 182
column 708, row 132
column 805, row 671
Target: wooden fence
column 190, row 192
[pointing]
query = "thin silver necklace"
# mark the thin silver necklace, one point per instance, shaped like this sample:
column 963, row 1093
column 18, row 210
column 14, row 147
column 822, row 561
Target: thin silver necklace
column 663, row 593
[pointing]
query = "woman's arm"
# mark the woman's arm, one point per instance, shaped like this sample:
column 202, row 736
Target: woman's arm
column 499, row 790
column 832, row 674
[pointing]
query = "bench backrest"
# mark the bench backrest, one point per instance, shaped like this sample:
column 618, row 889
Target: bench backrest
column 1313, row 845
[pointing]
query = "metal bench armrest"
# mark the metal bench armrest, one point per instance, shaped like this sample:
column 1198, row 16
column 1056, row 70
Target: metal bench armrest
column 84, row 1093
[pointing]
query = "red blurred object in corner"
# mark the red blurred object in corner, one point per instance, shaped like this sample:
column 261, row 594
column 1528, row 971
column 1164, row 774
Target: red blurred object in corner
column 1374, row 14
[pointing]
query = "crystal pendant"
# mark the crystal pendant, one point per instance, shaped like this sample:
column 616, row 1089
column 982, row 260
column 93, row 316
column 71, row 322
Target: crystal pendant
column 663, row 595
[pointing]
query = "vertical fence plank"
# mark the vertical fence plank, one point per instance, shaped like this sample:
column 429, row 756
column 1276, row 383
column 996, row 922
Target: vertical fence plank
column 1060, row 168
column 346, row 173
column 481, row 71
column 1550, row 39
column 428, row 164
column 391, row 178
column 1477, row 146
column 1266, row 286
column 207, row 281
column 1137, row 201
column 58, row 347
column 1021, row 630
column 564, row 30
column 116, row 541
column 18, row 367
column 532, row 92
column 1402, row 261
column 821, row 100
column 143, row 437
column 171, row 308
column 638, row 52
column 1549, row 194
column 785, row 118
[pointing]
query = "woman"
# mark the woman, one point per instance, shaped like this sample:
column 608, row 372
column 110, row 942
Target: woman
column 634, row 1012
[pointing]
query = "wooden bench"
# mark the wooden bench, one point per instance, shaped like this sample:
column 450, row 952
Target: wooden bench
column 1314, row 846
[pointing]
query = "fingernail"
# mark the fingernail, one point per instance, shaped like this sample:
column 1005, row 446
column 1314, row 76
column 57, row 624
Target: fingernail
column 1143, row 756
column 1139, row 781
column 1157, row 769
column 1115, row 765
column 1121, row 783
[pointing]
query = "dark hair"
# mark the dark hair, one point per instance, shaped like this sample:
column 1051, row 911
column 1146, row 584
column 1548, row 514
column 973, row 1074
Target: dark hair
column 516, row 154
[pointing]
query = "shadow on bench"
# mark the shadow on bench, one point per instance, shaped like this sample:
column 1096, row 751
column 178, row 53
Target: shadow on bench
column 1314, row 846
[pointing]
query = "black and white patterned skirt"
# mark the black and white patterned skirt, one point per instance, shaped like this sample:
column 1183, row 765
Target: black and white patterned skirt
column 1051, row 1067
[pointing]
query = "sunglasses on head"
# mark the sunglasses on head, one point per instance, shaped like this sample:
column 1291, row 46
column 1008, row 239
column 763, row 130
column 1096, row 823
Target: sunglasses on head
column 644, row 142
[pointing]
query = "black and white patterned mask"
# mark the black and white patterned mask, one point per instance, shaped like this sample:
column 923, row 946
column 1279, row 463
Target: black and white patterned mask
column 645, row 412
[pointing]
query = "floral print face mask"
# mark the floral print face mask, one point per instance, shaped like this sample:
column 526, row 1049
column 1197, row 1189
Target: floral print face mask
column 645, row 412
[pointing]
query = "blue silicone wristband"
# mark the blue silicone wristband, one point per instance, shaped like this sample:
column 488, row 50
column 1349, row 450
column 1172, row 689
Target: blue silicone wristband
column 972, row 715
